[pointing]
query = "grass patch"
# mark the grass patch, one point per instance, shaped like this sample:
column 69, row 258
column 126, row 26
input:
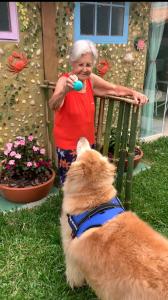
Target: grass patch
column 150, row 191
column 31, row 258
column 32, row 264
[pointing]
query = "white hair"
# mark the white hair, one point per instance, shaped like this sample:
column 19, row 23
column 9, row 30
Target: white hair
column 81, row 47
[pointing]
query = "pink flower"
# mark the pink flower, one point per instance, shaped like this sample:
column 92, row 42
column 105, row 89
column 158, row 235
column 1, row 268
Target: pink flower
column 13, row 153
column 42, row 151
column 9, row 146
column 11, row 162
column 30, row 138
column 35, row 149
column 18, row 155
column 16, row 144
column 140, row 44
column 35, row 165
column 22, row 142
column 6, row 152
column 29, row 164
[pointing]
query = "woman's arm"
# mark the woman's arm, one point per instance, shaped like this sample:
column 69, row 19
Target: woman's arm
column 56, row 101
column 63, row 86
column 102, row 87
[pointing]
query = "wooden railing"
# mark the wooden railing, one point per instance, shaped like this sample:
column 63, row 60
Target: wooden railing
column 110, row 111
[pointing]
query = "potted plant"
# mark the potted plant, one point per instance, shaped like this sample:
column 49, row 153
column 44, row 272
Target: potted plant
column 138, row 151
column 26, row 174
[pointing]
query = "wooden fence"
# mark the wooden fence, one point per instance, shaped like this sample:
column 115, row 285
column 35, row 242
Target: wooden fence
column 110, row 111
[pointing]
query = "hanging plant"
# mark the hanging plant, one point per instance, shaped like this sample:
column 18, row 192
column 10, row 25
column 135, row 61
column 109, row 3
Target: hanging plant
column 139, row 44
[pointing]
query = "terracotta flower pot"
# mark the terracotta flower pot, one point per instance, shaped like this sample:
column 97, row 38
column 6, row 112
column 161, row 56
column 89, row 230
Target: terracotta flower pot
column 138, row 155
column 27, row 194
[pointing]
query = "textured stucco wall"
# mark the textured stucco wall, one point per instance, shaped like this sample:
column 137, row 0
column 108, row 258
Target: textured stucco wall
column 127, row 64
column 22, row 106
column 122, row 71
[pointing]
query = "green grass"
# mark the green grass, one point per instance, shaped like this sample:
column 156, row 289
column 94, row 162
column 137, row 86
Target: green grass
column 150, row 192
column 31, row 258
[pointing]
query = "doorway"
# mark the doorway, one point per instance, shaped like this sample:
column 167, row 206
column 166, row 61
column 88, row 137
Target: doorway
column 160, row 115
column 154, row 121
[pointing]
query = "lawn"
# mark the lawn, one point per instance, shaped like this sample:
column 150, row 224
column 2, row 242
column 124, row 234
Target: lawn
column 31, row 258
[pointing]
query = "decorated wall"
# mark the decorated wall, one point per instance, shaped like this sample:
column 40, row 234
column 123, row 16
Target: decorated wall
column 126, row 61
column 122, row 64
column 22, row 103
column 22, row 106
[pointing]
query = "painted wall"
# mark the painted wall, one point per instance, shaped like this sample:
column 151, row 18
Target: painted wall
column 22, row 105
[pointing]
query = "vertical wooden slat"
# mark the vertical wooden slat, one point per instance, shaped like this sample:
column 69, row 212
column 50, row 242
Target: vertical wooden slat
column 108, row 127
column 131, row 154
column 49, row 122
column 49, row 148
column 96, row 104
column 100, row 124
column 119, row 129
column 123, row 149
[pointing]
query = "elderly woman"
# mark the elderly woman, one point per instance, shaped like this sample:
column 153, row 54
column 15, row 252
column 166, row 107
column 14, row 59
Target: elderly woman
column 74, row 110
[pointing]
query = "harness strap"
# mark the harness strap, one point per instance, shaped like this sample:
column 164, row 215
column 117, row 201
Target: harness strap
column 94, row 217
column 96, row 210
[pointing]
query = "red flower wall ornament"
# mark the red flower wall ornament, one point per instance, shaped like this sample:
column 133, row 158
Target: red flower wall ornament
column 139, row 44
column 102, row 67
column 17, row 62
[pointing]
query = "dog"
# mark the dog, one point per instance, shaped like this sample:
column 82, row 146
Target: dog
column 121, row 259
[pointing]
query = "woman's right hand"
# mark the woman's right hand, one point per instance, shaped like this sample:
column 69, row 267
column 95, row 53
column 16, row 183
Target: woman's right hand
column 70, row 80
column 63, row 86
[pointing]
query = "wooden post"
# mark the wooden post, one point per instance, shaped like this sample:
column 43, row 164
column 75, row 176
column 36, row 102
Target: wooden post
column 48, row 15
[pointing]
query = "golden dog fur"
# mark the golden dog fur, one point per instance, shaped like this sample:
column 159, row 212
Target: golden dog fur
column 125, row 259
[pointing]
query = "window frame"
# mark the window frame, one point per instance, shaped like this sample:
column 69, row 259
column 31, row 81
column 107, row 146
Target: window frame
column 102, row 39
column 13, row 35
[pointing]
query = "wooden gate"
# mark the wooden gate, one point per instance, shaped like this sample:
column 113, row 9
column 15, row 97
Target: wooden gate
column 110, row 110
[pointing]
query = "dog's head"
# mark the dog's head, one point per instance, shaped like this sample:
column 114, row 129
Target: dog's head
column 91, row 170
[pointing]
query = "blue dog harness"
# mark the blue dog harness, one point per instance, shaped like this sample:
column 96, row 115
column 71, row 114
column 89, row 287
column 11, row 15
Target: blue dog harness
column 95, row 217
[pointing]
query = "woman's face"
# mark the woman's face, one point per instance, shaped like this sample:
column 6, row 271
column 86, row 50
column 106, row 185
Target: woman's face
column 83, row 66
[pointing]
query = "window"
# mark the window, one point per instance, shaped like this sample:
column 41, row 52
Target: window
column 8, row 22
column 102, row 22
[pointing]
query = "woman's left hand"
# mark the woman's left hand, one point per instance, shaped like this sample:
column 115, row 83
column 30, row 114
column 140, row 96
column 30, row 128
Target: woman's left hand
column 140, row 99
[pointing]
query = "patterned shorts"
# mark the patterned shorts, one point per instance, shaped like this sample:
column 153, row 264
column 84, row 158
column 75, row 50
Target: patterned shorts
column 65, row 158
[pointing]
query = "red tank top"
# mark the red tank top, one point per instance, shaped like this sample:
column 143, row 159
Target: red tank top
column 75, row 118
